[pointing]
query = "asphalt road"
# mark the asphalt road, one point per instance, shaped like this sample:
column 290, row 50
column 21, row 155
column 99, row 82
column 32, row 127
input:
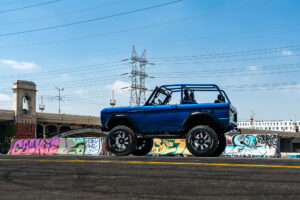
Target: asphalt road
column 70, row 177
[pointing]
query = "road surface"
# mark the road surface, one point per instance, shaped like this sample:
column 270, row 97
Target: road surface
column 73, row 177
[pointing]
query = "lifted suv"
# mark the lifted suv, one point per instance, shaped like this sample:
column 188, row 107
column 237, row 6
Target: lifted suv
column 132, row 129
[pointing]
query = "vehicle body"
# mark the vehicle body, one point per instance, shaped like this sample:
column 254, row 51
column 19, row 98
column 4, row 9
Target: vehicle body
column 159, row 118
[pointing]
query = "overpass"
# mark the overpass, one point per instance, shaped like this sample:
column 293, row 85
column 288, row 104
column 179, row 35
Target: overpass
column 25, row 122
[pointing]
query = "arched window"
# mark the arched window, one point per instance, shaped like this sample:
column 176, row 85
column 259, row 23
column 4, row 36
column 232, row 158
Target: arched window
column 26, row 104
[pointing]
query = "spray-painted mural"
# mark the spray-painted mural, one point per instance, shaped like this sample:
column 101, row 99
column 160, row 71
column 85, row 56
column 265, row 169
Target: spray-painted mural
column 169, row 147
column 252, row 146
column 57, row 146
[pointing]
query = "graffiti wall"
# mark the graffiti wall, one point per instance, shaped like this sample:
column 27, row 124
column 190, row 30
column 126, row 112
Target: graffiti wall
column 290, row 155
column 169, row 147
column 241, row 145
column 57, row 146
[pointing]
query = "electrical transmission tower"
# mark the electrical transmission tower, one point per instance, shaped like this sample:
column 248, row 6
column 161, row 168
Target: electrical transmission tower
column 138, row 76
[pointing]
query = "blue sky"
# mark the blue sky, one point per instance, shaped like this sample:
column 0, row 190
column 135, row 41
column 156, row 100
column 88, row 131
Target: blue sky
column 249, row 48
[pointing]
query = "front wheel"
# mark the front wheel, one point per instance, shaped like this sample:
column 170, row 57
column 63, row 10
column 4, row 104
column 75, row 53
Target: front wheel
column 121, row 141
column 202, row 141
column 143, row 147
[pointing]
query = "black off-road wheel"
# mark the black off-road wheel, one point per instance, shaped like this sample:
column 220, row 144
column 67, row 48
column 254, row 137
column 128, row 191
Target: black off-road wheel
column 221, row 146
column 121, row 141
column 143, row 147
column 202, row 141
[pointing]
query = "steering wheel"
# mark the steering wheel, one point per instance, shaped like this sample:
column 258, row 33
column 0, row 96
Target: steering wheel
column 159, row 101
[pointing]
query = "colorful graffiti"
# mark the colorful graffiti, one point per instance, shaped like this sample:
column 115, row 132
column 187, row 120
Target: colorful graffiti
column 290, row 155
column 169, row 147
column 252, row 146
column 57, row 146
column 25, row 130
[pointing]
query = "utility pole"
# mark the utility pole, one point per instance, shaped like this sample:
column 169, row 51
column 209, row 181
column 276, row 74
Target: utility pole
column 42, row 106
column 113, row 101
column 138, row 77
column 252, row 119
column 59, row 97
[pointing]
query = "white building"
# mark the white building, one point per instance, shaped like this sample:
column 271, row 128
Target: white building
column 287, row 126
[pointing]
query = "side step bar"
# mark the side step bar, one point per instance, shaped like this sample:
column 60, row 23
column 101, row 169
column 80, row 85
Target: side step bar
column 160, row 136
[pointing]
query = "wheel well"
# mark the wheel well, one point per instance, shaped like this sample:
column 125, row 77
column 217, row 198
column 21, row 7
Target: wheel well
column 204, row 120
column 121, row 121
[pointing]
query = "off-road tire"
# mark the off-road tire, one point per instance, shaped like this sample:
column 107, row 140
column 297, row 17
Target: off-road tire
column 121, row 141
column 143, row 147
column 206, row 139
column 221, row 146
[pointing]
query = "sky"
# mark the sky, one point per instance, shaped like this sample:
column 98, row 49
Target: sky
column 250, row 48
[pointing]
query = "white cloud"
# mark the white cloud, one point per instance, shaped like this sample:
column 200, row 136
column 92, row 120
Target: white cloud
column 252, row 68
column 118, row 85
column 18, row 64
column 80, row 92
column 65, row 76
column 286, row 52
column 5, row 98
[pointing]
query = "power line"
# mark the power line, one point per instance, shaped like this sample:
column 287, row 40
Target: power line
column 64, row 14
column 108, row 65
column 225, row 61
column 230, row 74
column 66, row 69
column 137, row 28
column 89, row 20
column 228, row 70
column 31, row 6
column 228, row 54
column 12, row 2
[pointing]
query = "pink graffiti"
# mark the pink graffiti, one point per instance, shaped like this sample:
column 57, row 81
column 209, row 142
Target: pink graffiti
column 35, row 146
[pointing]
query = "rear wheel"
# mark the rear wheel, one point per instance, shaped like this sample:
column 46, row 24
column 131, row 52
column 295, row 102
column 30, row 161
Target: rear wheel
column 202, row 141
column 143, row 147
column 221, row 146
column 121, row 141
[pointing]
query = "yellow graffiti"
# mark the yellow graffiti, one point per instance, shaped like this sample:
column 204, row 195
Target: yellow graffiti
column 169, row 147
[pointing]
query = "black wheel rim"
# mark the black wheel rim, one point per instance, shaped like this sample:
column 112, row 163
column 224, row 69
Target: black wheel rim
column 120, row 140
column 201, row 141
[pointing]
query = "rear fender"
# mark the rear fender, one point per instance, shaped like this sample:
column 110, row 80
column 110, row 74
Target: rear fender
column 203, row 118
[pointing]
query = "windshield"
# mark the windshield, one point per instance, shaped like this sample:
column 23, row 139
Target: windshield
column 160, row 97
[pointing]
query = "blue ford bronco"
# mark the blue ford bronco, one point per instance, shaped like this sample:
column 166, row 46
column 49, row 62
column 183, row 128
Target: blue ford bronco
column 172, row 111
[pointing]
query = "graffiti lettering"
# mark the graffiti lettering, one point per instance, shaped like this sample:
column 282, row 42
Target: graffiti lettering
column 57, row 146
column 252, row 146
column 169, row 147
column 34, row 146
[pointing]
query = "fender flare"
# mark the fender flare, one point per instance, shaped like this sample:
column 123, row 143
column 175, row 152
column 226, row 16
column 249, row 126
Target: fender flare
column 122, row 116
column 210, row 116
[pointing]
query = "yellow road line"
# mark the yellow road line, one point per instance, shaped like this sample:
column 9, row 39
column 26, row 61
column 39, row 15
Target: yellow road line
column 155, row 163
